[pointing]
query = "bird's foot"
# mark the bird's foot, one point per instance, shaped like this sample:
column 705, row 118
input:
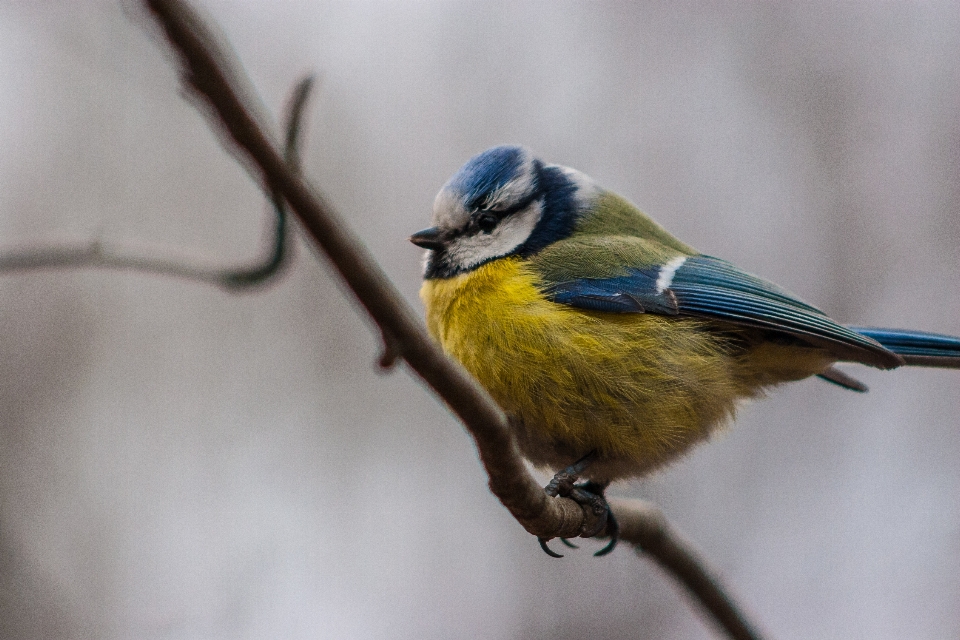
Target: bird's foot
column 562, row 484
column 588, row 494
column 591, row 494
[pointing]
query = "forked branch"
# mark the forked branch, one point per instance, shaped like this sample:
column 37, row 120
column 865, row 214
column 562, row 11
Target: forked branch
column 208, row 71
column 99, row 254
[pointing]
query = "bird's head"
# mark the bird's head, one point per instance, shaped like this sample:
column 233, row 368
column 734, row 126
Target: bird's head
column 502, row 202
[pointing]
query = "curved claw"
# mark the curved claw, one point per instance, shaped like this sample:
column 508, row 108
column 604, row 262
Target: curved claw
column 569, row 544
column 614, row 528
column 607, row 549
column 547, row 550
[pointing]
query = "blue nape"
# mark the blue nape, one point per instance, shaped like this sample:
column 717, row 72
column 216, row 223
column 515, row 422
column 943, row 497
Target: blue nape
column 561, row 210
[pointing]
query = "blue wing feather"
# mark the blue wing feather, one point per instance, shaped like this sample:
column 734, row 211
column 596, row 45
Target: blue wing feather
column 705, row 271
column 634, row 293
column 712, row 288
column 917, row 347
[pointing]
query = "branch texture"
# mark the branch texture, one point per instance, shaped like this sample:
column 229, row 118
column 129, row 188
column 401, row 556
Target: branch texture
column 208, row 71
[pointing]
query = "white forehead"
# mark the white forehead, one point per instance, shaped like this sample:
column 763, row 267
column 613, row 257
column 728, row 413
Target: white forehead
column 449, row 211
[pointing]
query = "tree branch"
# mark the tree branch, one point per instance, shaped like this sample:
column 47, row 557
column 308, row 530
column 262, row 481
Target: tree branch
column 648, row 530
column 100, row 255
column 208, row 70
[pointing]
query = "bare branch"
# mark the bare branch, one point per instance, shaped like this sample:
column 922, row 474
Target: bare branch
column 648, row 531
column 95, row 254
column 208, row 70
column 100, row 255
column 271, row 266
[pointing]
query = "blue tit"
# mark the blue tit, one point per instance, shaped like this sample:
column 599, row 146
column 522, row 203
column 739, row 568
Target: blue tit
column 602, row 335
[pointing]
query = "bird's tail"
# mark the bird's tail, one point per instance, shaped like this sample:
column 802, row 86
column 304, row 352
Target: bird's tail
column 917, row 348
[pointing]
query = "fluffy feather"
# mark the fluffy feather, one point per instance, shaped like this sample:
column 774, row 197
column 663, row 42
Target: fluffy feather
column 638, row 388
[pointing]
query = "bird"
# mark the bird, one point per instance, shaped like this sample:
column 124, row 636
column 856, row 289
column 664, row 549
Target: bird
column 612, row 346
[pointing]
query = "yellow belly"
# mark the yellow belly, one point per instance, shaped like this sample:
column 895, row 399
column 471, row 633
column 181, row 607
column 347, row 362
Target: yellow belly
column 639, row 389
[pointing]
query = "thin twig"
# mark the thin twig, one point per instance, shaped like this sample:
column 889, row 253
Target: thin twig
column 101, row 255
column 96, row 254
column 281, row 244
column 206, row 69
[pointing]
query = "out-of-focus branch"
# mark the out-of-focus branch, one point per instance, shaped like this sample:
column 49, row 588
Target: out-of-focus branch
column 107, row 256
column 258, row 274
column 97, row 254
column 208, row 71
column 645, row 527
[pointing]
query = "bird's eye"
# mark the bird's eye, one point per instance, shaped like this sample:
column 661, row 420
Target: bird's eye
column 487, row 221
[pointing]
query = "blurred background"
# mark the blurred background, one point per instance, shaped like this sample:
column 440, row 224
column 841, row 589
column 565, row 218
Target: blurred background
column 179, row 462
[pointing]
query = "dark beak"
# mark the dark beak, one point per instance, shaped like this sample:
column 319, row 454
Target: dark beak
column 428, row 238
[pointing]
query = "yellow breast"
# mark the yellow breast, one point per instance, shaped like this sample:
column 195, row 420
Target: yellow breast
column 638, row 388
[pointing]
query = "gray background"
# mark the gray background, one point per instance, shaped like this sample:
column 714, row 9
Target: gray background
column 177, row 462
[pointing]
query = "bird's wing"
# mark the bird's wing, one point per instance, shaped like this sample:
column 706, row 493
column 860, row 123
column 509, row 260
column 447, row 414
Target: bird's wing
column 706, row 287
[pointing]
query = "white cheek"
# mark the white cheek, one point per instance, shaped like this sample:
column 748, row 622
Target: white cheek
column 469, row 251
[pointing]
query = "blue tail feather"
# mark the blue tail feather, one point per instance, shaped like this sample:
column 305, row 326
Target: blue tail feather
column 917, row 347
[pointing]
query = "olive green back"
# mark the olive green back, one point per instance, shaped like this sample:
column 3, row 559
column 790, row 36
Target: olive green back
column 612, row 238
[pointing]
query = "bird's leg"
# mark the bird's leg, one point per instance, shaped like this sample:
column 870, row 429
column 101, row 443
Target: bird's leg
column 562, row 482
column 587, row 494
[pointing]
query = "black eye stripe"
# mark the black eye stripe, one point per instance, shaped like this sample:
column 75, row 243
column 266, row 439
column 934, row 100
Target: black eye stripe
column 487, row 220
